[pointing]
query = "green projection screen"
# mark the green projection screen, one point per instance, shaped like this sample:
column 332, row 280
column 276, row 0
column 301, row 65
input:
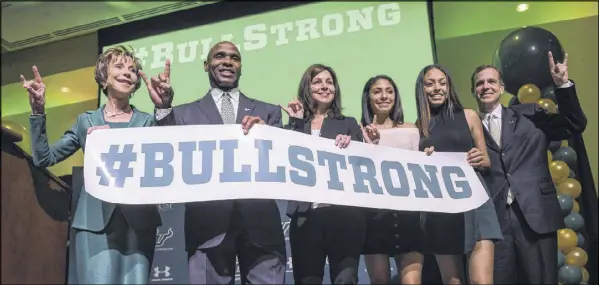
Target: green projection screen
column 357, row 39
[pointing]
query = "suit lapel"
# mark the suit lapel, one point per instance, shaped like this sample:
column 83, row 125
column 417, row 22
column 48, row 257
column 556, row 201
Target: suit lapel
column 326, row 125
column 136, row 119
column 509, row 120
column 208, row 107
column 245, row 108
column 491, row 143
column 96, row 118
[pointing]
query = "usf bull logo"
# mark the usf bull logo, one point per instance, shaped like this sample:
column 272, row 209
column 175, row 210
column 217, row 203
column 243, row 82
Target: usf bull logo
column 162, row 237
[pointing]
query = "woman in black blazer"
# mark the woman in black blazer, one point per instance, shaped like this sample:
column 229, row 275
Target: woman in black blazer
column 319, row 231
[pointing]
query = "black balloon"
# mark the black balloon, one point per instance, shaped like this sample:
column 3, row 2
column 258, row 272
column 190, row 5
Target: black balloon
column 523, row 58
column 549, row 93
column 567, row 155
column 554, row 146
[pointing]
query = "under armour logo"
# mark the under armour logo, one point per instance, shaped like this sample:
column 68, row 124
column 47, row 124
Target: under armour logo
column 162, row 237
column 166, row 271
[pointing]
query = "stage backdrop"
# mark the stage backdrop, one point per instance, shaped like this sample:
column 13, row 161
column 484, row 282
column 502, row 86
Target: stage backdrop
column 358, row 39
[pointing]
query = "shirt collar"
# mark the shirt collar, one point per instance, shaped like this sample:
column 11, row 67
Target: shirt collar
column 496, row 112
column 217, row 94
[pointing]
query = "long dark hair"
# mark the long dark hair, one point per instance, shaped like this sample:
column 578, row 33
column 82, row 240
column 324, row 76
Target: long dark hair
column 304, row 92
column 423, row 106
column 396, row 114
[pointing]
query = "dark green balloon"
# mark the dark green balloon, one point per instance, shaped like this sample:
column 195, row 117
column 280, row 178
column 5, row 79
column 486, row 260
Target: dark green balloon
column 566, row 203
column 574, row 221
column 569, row 275
column 561, row 259
column 567, row 155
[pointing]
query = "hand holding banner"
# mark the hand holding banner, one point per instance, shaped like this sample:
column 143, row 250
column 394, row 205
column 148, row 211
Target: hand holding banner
column 179, row 164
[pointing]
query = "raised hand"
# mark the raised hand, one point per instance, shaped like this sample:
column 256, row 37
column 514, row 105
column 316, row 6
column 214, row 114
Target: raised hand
column 36, row 90
column 159, row 88
column 371, row 134
column 342, row 141
column 559, row 70
column 294, row 109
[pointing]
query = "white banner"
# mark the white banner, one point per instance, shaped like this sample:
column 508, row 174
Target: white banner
column 179, row 164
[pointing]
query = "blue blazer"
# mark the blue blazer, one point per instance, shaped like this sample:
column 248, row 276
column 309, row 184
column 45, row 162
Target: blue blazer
column 91, row 213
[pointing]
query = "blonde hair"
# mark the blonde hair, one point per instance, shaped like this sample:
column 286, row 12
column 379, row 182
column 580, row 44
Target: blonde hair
column 108, row 56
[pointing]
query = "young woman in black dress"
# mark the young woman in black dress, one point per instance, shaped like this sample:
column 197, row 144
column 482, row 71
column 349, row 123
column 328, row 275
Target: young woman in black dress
column 446, row 126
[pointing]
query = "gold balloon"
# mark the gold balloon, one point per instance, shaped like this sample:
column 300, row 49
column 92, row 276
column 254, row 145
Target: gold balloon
column 505, row 98
column 529, row 93
column 566, row 240
column 585, row 275
column 548, row 105
column 559, row 171
column 549, row 156
column 25, row 143
column 570, row 186
column 577, row 256
column 576, row 207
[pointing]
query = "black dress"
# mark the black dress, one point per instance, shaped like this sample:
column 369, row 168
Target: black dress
column 456, row 234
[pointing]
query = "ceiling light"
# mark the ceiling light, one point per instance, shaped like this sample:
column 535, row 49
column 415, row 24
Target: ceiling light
column 522, row 7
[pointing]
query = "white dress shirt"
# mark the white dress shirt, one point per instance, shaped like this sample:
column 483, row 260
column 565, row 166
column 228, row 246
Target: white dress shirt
column 217, row 96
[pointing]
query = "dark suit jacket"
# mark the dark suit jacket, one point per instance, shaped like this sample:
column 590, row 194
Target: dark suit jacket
column 330, row 129
column 521, row 161
column 90, row 213
column 206, row 220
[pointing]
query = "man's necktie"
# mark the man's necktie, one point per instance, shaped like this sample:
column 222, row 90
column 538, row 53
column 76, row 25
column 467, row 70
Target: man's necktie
column 226, row 109
column 495, row 131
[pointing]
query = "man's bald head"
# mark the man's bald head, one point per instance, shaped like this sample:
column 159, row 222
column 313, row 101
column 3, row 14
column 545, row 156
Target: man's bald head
column 220, row 44
column 223, row 65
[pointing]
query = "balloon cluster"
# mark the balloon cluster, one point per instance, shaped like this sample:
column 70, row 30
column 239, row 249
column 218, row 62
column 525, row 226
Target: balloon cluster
column 25, row 143
column 571, row 257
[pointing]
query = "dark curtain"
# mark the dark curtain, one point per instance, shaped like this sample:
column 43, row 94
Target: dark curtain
column 588, row 204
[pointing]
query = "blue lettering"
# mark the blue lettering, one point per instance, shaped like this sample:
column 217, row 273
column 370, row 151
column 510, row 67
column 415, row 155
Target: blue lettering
column 229, row 174
column 187, row 149
column 421, row 178
column 404, row 188
column 150, row 150
column 466, row 192
column 264, row 174
column 332, row 160
column 361, row 176
column 294, row 153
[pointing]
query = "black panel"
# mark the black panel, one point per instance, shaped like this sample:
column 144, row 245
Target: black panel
column 198, row 16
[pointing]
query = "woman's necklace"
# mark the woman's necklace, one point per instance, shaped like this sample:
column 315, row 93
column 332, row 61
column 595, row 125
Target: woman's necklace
column 121, row 112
